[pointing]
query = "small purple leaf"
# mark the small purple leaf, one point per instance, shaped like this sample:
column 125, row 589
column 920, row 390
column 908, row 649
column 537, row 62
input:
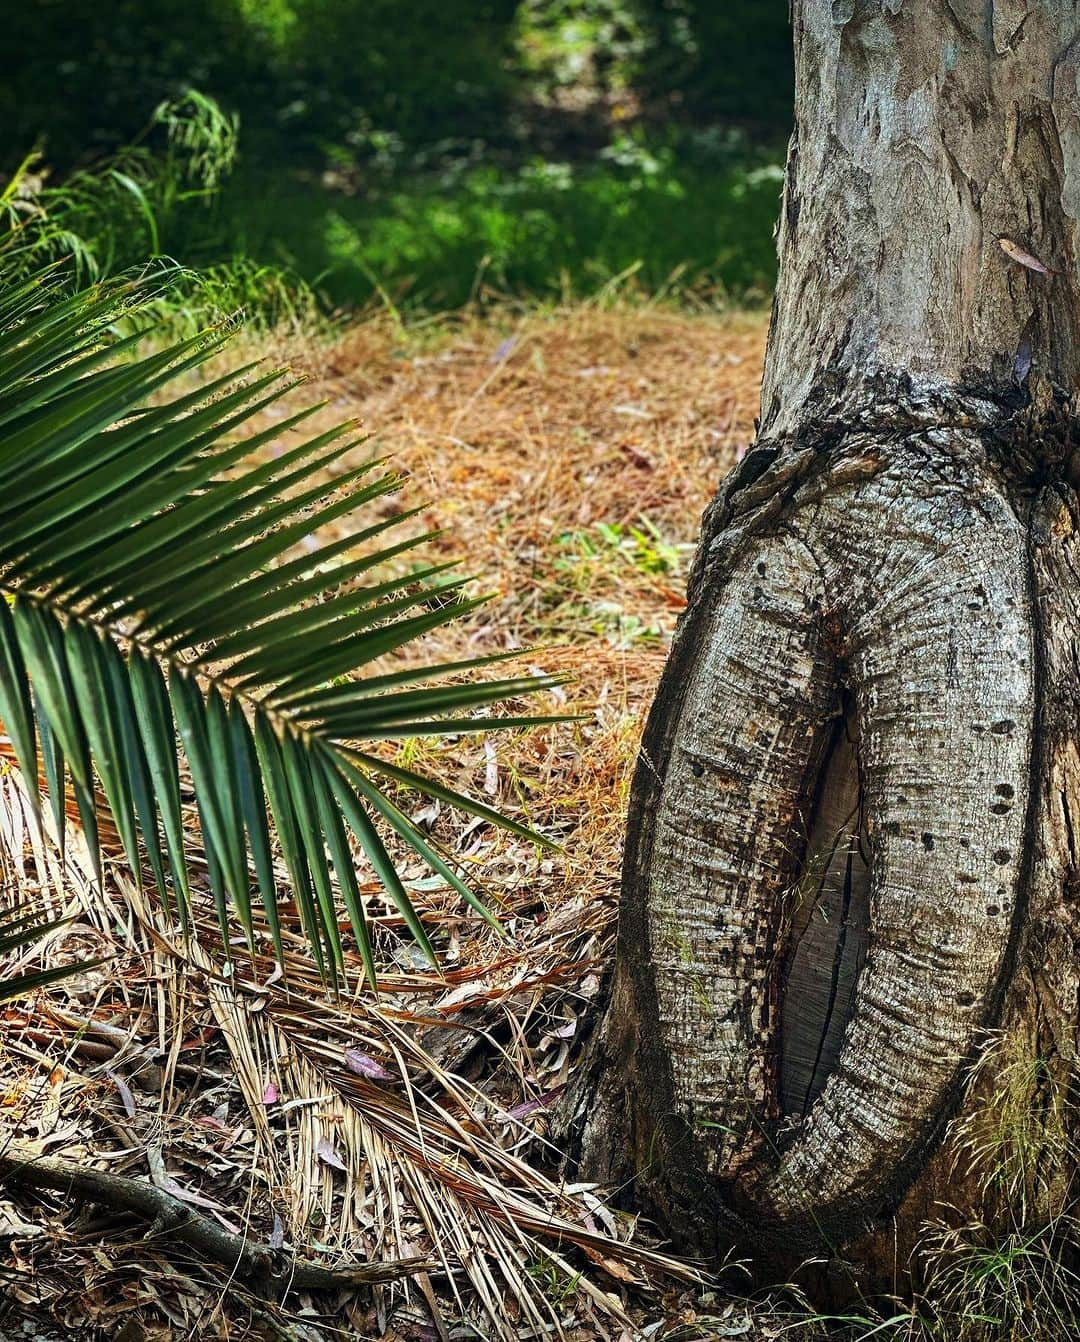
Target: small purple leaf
column 541, row 1102
column 124, row 1089
column 362, row 1065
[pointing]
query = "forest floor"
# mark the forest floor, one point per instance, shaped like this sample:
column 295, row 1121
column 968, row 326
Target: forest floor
column 566, row 456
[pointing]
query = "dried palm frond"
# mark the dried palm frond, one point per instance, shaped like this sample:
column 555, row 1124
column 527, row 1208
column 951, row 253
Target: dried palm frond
column 23, row 926
column 367, row 1144
column 540, row 455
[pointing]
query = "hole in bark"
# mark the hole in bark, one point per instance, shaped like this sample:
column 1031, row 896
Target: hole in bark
column 1004, row 790
column 1001, row 808
column 1004, row 727
column 1001, row 856
column 965, row 999
column 928, row 842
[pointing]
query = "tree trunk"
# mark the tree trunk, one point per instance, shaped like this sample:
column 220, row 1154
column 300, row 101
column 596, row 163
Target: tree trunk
column 845, row 1003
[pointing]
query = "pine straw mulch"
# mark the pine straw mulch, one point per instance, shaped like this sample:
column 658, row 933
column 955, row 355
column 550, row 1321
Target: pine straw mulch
column 567, row 457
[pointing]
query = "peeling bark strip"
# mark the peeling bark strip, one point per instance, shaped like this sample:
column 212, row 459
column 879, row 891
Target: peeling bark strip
column 854, row 840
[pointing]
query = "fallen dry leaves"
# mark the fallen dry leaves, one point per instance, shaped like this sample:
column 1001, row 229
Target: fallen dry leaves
column 567, row 456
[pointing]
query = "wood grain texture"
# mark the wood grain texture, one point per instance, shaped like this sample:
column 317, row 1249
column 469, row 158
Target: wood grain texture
column 926, row 132
column 918, row 597
column 786, row 1053
column 726, row 848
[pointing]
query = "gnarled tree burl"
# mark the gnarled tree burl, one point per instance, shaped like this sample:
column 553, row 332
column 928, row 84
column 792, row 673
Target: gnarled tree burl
column 853, row 848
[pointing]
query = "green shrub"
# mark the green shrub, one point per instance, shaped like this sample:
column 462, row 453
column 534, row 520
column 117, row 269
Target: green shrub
column 130, row 205
column 81, row 79
column 415, row 70
column 711, row 61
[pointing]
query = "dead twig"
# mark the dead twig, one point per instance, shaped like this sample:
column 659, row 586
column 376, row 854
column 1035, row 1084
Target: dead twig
column 268, row 1273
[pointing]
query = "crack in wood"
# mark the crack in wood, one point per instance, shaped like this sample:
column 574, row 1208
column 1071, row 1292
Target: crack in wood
column 829, row 932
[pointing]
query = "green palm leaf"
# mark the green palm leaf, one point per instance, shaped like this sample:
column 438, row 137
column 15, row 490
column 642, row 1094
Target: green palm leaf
column 157, row 623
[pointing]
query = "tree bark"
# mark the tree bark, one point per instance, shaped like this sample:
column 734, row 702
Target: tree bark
column 846, row 988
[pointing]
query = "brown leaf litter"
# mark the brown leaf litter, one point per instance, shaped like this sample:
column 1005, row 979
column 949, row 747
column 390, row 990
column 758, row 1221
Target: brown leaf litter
column 567, row 456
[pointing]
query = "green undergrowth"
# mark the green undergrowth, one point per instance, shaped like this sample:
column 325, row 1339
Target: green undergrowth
column 681, row 218
column 543, row 229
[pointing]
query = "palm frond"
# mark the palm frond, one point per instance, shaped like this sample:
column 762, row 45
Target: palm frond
column 163, row 622
column 368, row 1142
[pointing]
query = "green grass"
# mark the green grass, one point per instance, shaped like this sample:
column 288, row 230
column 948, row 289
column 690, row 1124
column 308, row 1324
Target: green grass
column 425, row 230
column 542, row 229
column 268, row 241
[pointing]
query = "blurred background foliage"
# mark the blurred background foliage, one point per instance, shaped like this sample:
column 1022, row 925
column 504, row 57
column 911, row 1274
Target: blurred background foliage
column 423, row 153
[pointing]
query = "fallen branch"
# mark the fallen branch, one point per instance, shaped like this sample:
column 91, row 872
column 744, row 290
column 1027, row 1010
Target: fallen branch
column 269, row 1273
